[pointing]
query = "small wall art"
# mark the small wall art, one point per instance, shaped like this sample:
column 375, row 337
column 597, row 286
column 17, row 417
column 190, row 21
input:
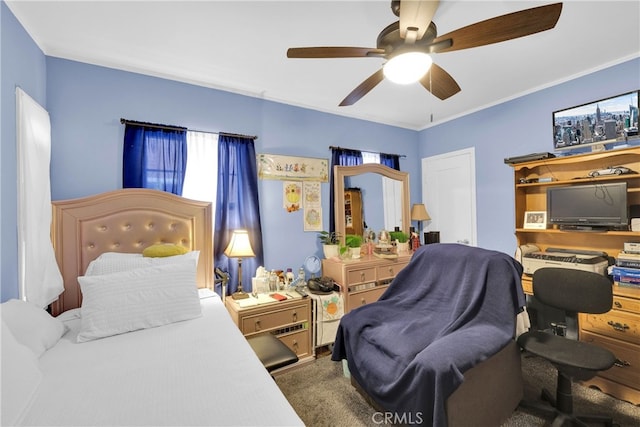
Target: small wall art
column 291, row 195
column 312, row 206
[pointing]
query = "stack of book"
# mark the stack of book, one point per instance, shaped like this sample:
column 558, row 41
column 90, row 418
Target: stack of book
column 627, row 269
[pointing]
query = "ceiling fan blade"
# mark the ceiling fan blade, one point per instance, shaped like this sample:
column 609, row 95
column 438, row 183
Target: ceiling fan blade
column 417, row 15
column 333, row 52
column 502, row 28
column 363, row 88
column 439, row 83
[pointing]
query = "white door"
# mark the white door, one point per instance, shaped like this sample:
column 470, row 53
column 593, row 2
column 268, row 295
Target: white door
column 449, row 193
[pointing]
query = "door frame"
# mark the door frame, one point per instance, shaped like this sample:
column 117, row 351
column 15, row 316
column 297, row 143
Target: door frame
column 468, row 155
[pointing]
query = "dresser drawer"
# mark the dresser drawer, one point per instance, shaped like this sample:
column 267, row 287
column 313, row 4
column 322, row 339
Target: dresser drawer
column 273, row 319
column 389, row 271
column 626, row 304
column 298, row 342
column 616, row 324
column 361, row 276
column 627, row 368
column 365, row 297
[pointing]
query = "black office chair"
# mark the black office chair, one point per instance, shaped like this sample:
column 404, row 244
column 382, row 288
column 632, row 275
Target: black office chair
column 573, row 291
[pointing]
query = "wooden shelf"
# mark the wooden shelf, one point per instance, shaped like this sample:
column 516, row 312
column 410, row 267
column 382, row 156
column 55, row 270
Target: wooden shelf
column 586, row 180
column 632, row 234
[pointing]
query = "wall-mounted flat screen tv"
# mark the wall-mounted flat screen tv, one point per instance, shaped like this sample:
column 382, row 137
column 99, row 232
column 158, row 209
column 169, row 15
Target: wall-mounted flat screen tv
column 600, row 122
column 590, row 206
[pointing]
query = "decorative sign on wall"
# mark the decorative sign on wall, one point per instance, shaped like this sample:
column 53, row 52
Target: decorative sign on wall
column 273, row 166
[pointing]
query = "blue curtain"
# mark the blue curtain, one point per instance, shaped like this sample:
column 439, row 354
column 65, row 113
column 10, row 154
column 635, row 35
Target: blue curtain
column 154, row 158
column 340, row 157
column 391, row 160
column 237, row 207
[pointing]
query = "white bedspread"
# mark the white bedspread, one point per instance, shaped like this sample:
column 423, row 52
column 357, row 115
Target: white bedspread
column 195, row 372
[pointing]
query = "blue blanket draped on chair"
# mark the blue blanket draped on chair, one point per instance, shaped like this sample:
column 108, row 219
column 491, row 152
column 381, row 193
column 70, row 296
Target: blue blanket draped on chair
column 451, row 308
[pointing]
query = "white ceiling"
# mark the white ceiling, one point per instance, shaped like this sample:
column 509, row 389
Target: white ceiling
column 240, row 46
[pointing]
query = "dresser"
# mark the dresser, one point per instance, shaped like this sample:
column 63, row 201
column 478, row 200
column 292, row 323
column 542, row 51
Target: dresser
column 289, row 321
column 619, row 329
column 363, row 281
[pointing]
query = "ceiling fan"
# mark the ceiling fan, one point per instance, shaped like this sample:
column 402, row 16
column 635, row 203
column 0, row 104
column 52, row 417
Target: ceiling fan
column 414, row 37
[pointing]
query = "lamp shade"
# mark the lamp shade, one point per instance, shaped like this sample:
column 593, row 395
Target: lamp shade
column 239, row 246
column 419, row 212
column 408, row 67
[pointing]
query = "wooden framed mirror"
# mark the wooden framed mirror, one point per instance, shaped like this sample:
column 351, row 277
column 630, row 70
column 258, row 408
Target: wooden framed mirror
column 372, row 180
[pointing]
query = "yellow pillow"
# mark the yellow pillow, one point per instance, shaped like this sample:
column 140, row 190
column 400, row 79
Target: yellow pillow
column 163, row 250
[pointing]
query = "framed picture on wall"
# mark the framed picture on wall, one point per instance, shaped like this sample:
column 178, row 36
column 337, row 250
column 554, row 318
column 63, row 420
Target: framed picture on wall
column 535, row 219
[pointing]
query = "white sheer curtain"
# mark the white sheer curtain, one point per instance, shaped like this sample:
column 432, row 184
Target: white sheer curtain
column 368, row 157
column 39, row 276
column 201, row 174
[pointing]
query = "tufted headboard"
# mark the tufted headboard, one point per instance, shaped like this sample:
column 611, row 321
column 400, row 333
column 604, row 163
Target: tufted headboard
column 126, row 220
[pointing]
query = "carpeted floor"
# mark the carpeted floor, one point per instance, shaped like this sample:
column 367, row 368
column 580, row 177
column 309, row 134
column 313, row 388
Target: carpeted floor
column 322, row 396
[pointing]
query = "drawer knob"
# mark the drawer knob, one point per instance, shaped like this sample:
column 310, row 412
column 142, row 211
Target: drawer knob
column 621, row 363
column 618, row 326
column 295, row 316
column 363, row 301
column 295, row 344
column 362, row 276
column 617, row 304
column 391, row 270
column 257, row 325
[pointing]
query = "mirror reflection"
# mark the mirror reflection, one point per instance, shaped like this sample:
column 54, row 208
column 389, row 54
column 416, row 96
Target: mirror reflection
column 370, row 197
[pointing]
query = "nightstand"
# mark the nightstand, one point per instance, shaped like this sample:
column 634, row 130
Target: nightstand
column 289, row 321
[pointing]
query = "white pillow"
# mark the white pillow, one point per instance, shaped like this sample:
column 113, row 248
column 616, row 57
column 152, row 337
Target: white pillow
column 138, row 299
column 115, row 262
column 31, row 325
column 20, row 377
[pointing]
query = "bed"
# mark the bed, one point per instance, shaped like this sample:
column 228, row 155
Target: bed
column 96, row 363
column 438, row 346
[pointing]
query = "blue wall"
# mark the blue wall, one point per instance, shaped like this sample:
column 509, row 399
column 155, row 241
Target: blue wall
column 86, row 103
column 22, row 64
column 513, row 128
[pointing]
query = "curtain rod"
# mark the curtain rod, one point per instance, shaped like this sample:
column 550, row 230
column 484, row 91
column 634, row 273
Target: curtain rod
column 331, row 147
column 171, row 127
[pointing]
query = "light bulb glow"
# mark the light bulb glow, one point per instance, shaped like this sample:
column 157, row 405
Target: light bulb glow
column 407, row 67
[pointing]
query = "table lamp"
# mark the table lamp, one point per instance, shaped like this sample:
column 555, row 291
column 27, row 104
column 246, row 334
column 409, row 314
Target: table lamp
column 239, row 247
column 419, row 213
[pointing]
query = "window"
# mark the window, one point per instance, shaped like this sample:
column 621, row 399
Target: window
column 368, row 157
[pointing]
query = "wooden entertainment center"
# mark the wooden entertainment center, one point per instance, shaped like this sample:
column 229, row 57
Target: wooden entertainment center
column 619, row 329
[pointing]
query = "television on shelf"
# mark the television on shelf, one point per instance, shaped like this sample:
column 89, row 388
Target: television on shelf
column 605, row 121
column 589, row 207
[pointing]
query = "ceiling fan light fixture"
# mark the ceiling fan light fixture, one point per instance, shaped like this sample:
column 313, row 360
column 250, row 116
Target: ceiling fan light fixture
column 408, row 67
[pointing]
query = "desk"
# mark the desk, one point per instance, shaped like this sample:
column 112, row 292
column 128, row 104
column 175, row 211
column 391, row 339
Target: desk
column 619, row 329
column 289, row 321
